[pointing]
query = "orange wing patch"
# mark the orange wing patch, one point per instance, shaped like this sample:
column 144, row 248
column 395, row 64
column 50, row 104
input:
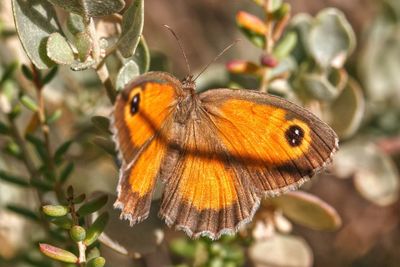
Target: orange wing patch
column 143, row 174
column 207, row 183
column 155, row 99
column 256, row 131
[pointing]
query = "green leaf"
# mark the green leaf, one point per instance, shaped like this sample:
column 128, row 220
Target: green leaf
column 58, row 253
column 331, row 39
column 142, row 56
column 79, row 199
column 83, row 44
column 77, row 233
column 126, row 74
column 376, row 176
column 27, row 72
column 39, row 146
column 281, row 11
column 4, row 129
column 54, row 117
column 44, row 186
column 132, row 27
column 8, row 72
column 50, row 75
column 106, row 144
column 66, row 172
column 301, row 24
column 60, row 152
column 93, row 253
column 271, row 252
column 96, row 229
column 35, row 20
column 24, row 212
column 183, row 248
column 29, row 103
column 347, row 111
column 96, row 262
column 13, row 179
column 55, row 210
column 75, row 23
column 319, row 87
column 285, row 45
column 62, row 222
column 59, row 50
column 252, row 27
column 92, row 206
column 102, row 123
column 308, row 210
column 13, row 149
column 90, row 8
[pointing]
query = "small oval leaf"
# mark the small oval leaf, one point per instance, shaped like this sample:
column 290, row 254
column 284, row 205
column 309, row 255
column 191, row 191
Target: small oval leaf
column 132, row 27
column 58, row 254
column 59, row 50
column 308, row 210
column 126, row 74
column 332, row 38
column 274, row 251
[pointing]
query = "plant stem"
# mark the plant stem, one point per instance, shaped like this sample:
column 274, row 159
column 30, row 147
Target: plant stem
column 75, row 221
column 101, row 68
column 269, row 45
column 82, row 253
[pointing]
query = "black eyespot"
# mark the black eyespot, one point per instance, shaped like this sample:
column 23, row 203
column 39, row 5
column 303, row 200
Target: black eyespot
column 135, row 104
column 294, row 135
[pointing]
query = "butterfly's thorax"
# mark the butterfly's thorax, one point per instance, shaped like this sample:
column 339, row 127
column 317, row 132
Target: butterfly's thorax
column 188, row 102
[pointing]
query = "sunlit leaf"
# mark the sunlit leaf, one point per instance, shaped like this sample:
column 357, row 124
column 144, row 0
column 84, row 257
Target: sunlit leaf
column 347, row 111
column 92, row 206
column 59, row 50
column 90, row 8
column 308, row 210
column 281, row 250
column 375, row 175
column 132, row 27
column 96, row 229
column 55, row 210
column 83, row 44
column 58, row 253
column 332, row 38
column 35, row 20
column 126, row 74
column 142, row 56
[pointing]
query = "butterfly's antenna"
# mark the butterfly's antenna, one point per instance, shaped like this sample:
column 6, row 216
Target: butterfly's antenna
column 180, row 46
column 216, row 58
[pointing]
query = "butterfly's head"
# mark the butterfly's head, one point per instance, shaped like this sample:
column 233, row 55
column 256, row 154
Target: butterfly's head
column 189, row 83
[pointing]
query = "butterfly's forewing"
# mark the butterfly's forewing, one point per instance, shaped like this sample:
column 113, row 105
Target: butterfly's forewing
column 204, row 194
column 141, row 115
column 276, row 144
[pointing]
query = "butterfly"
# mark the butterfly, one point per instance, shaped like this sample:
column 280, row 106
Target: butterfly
column 218, row 153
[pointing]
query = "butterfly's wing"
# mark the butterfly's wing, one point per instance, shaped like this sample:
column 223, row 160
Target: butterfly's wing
column 240, row 146
column 203, row 193
column 141, row 119
column 279, row 144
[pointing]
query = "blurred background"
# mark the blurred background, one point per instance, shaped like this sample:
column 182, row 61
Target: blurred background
column 350, row 213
